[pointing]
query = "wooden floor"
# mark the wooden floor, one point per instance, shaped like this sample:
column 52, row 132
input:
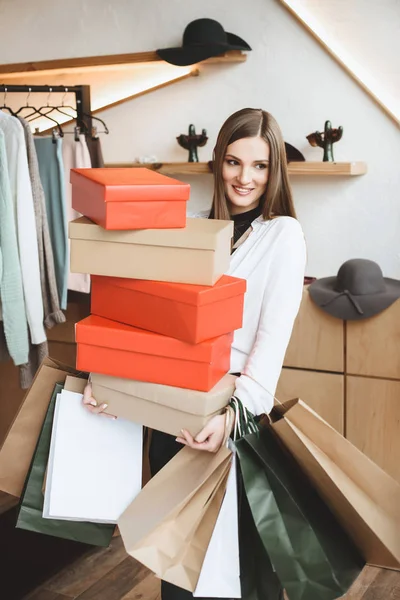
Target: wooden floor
column 108, row 574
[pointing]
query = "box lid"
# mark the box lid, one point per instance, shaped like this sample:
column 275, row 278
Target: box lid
column 197, row 295
column 206, row 234
column 132, row 185
column 191, row 401
column 98, row 331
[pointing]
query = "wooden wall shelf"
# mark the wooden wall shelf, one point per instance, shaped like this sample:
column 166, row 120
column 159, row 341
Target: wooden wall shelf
column 327, row 168
column 64, row 64
column 295, row 168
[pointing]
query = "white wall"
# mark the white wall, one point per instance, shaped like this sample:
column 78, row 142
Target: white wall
column 366, row 30
column 287, row 73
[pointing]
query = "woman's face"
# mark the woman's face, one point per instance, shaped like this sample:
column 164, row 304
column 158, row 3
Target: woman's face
column 245, row 173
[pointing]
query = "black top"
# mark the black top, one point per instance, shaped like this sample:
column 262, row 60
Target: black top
column 243, row 221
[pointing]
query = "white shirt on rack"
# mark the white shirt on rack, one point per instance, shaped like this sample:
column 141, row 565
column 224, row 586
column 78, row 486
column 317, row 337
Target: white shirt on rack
column 26, row 225
column 272, row 260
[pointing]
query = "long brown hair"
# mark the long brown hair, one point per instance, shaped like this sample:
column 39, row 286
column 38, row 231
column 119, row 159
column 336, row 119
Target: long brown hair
column 254, row 122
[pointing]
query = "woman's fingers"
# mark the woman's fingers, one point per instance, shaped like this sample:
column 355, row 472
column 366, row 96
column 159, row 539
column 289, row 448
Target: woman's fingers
column 188, row 437
column 100, row 409
column 211, row 444
column 87, row 396
column 181, row 440
column 87, row 392
column 91, row 404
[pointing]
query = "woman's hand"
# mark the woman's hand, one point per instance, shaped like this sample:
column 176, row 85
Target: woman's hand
column 91, row 404
column 210, row 437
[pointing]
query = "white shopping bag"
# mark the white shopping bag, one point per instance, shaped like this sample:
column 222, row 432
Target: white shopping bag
column 220, row 573
column 95, row 464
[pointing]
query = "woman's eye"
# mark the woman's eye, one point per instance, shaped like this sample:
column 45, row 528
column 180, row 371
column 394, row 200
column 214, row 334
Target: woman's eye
column 261, row 166
column 232, row 162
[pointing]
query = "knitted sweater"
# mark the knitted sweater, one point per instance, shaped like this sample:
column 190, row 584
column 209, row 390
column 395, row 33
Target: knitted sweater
column 21, row 192
column 11, row 290
column 51, row 305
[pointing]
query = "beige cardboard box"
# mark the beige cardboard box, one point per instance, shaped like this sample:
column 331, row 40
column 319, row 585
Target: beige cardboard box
column 198, row 253
column 162, row 407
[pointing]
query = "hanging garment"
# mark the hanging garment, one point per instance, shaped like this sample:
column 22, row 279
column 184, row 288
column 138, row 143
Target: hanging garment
column 96, row 153
column 21, row 192
column 51, row 305
column 51, row 171
column 11, row 289
column 27, row 371
column 75, row 156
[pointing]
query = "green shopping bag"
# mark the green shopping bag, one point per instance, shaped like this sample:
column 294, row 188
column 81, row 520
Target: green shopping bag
column 32, row 499
column 310, row 552
column 257, row 577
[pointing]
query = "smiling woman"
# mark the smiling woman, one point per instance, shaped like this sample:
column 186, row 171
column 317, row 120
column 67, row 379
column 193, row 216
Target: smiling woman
column 250, row 167
column 252, row 189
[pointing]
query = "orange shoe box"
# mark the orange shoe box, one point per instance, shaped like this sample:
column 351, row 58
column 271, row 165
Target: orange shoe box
column 191, row 313
column 111, row 348
column 129, row 198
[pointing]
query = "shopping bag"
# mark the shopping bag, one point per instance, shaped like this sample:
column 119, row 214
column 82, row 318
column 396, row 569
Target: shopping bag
column 79, row 486
column 311, row 554
column 258, row 579
column 189, row 550
column 364, row 498
column 31, row 505
column 220, row 572
column 168, row 525
column 19, row 444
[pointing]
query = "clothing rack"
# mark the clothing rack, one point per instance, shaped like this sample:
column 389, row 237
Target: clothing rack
column 82, row 97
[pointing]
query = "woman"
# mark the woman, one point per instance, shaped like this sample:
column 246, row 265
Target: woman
column 251, row 187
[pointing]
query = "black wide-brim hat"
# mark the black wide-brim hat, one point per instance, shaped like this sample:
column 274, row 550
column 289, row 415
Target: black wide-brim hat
column 202, row 39
column 358, row 291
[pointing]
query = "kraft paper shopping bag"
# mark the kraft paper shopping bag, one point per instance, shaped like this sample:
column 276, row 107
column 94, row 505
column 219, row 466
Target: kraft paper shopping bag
column 220, row 572
column 19, row 444
column 184, row 567
column 365, row 499
column 177, row 505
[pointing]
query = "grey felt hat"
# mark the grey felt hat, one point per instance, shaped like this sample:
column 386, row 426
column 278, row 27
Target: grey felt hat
column 358, row 291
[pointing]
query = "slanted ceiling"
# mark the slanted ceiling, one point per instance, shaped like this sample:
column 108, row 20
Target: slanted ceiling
column 108, row 85
column 113, row 79
column 364, row 38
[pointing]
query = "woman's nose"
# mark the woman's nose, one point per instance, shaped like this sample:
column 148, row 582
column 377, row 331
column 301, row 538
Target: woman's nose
column 244, row 176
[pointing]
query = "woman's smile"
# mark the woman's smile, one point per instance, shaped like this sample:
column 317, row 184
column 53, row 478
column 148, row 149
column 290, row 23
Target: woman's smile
column 242, row 191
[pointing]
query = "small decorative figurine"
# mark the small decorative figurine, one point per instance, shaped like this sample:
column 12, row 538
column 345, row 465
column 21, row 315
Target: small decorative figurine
column 326, row 140
column 192, row 141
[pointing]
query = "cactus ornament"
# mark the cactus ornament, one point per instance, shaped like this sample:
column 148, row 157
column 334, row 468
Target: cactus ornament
column 192, row 141
column 326, row 140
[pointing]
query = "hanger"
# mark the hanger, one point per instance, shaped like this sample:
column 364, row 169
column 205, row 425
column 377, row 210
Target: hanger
column 106, row 130
column 81, row 125
column 42, row 109
column 5, row 107
column 38, row 114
